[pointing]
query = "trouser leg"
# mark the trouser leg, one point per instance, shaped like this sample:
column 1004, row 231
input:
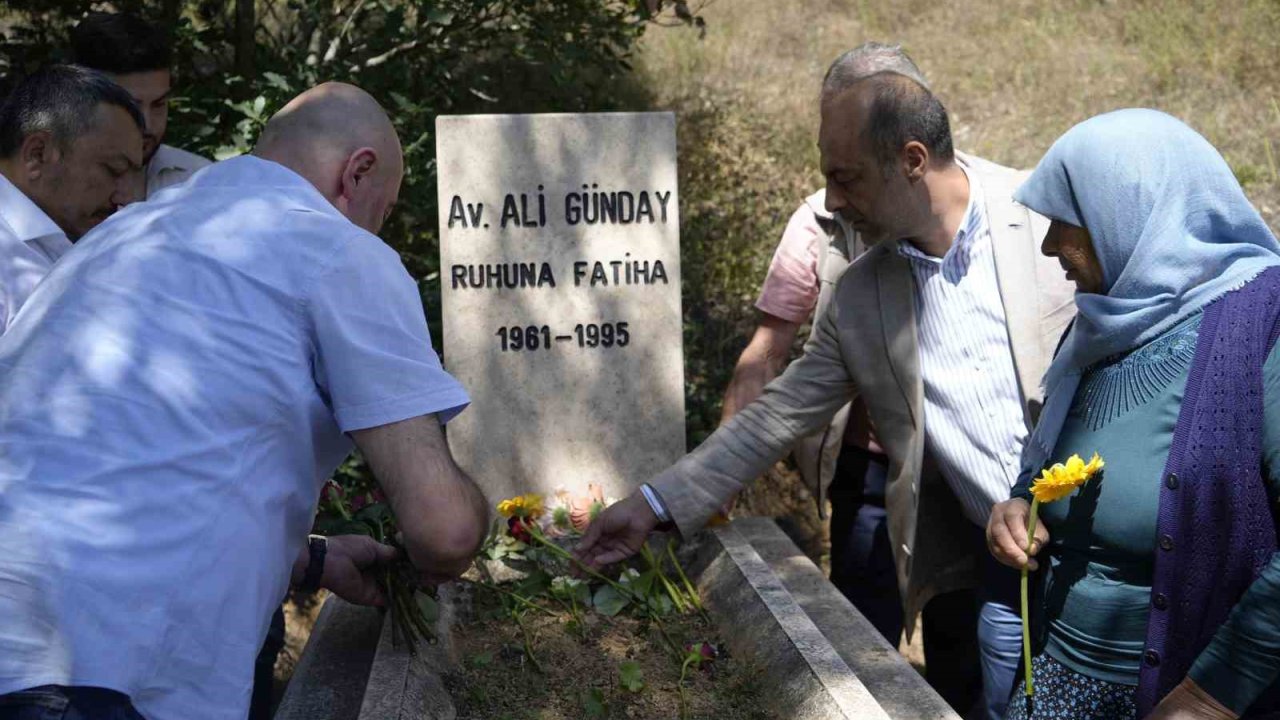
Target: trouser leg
column 264, row 668
column 951, row 658
column 999, row 635
column 57, row 702
column 862, row 566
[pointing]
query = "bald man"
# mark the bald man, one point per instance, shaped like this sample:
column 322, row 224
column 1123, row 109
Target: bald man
column 175, row 394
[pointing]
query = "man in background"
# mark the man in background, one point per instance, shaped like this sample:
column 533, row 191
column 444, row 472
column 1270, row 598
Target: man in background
column 138, row 57
column 71, row 150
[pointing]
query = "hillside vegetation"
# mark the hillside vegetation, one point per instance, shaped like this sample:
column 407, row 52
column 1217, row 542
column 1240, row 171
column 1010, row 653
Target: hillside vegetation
column 1014, row 74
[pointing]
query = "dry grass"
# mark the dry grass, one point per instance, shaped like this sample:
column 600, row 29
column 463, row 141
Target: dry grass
column 1015, row 74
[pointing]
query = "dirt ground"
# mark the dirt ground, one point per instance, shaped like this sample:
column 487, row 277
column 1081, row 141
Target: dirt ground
column 779, row 494
column 578, row 671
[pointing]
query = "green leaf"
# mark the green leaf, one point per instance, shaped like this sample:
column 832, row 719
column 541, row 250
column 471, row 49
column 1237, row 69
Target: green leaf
column 428, row 606
column 483, row 659
column 608, row 601
column 437, row 16
column 593, row 703
column 277, row 81
column 375, row 514
column 537, row 583
column 630, row 676
column 642, row 585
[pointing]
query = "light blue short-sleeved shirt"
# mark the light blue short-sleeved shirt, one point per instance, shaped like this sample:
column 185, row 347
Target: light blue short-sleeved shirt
column 172, row 397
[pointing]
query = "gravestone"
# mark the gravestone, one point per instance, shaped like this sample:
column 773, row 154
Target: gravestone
column 560, row 275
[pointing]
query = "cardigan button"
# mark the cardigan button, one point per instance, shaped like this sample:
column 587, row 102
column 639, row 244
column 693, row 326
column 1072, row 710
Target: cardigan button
column 1171, row 482
column 1160, row 601
column 1166, row 542
column 1151, row 657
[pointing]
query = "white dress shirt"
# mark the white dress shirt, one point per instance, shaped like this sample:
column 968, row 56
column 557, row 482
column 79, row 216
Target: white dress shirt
column 30, row 243
column 172, row 397
column 973, row 421
column 171, row 166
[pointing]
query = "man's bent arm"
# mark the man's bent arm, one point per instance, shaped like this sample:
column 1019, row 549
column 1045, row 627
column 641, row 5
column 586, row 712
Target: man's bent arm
column 759, row 363
column 443, row 515
column 799, row 402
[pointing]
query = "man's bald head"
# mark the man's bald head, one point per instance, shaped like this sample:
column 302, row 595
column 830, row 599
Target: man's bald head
column 337, row 137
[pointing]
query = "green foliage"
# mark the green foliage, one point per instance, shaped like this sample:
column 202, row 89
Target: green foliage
column 593, row 704
column 630, row 676
column 609, row 601
column 422, row 58
column 736, row 197
column 419, row 58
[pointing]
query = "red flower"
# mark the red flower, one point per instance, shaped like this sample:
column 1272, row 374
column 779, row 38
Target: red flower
column 519, row 530
column 331, row 493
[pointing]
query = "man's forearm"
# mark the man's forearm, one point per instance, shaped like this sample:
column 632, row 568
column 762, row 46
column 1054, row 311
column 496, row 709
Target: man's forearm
column 447, row 521
column 761, row 361
column 443, row 515
column 800, row 401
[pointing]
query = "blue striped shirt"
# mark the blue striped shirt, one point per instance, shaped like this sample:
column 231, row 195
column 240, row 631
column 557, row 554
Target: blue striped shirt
column 974, row 424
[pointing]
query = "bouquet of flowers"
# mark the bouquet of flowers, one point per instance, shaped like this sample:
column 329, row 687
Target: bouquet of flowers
column 352, row 504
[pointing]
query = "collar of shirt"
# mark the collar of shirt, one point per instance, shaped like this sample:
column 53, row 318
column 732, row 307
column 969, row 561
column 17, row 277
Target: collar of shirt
column 252, row 171
column 29, row 224
column 955, row 264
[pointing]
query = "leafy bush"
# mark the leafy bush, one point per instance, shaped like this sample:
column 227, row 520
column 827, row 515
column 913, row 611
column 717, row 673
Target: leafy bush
column 420, row 58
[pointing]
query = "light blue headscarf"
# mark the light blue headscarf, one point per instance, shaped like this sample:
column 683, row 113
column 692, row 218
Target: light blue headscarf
column 1170, row 225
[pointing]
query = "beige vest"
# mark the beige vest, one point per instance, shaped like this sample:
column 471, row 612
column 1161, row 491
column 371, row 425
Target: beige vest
column 816, row 454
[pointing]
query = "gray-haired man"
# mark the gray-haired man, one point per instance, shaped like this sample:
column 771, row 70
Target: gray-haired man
column 943, row 327
column 70, row 155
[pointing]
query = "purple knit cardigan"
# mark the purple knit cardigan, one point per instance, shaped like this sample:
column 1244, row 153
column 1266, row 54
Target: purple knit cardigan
column 1215, row 530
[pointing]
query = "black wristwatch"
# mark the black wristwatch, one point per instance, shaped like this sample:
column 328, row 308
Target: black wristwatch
column 317, row 546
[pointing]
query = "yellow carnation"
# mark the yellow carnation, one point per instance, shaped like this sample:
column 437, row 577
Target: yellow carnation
column 528, row 506
column 1062, row 479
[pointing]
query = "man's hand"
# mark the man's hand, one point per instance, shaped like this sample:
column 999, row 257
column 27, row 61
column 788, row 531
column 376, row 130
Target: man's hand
column 617, row 533
column 1188, row 701
column 1007, row 534
column 350, row 565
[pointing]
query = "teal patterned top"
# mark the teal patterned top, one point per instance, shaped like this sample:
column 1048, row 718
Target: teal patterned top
column 1101, row 550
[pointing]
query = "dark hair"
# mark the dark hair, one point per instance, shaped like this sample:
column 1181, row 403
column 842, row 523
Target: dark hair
column 61, row 100
column 904, row 111
column 119, row 43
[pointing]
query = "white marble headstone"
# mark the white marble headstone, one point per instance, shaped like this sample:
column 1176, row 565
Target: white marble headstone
column 560, row 269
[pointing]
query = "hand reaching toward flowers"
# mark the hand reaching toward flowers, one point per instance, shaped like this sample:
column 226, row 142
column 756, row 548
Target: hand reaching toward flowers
column 1007, row 534
column 617, row 533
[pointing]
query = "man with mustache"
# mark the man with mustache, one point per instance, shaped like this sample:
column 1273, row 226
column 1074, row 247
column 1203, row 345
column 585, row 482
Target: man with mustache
column 70, row 155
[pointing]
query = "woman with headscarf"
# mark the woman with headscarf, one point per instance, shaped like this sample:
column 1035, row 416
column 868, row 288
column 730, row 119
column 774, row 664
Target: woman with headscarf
column 1160, row 597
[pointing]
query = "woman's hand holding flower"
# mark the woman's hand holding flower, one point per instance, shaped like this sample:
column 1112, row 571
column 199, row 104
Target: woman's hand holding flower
column 1007, row 534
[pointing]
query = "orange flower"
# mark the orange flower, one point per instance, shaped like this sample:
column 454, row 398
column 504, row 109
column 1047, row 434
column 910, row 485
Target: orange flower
column 583, row 508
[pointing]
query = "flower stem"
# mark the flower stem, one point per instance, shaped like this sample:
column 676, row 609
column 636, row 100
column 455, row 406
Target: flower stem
column 655, row 564
column 518, row 598
column 1026, row 617
column 518, row 616
column 688, row 586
